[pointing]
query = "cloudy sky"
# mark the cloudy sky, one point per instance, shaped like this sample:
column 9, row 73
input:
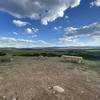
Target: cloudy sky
column 47, row 23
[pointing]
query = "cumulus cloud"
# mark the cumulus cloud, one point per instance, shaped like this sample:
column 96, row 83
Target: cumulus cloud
column 97, row 2
column 20, row 23
column 21, row 43
column 44, row 10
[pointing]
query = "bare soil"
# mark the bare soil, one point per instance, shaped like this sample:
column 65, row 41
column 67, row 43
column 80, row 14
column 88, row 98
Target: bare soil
column 30, row 79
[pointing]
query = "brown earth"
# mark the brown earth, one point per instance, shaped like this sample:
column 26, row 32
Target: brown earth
column 30, row 79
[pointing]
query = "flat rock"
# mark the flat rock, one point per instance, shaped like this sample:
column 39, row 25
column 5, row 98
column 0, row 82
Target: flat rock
column 58, row 89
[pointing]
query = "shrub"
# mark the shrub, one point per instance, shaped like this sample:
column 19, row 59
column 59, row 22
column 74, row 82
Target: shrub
column 2, row 54
column 5, row 59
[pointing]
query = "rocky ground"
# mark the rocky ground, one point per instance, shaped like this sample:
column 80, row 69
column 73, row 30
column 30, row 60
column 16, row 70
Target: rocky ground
column 47, row 79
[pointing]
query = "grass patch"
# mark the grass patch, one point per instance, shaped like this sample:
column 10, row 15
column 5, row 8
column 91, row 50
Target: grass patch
column 4, row 59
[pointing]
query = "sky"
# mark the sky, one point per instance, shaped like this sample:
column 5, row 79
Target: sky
column 49, row 23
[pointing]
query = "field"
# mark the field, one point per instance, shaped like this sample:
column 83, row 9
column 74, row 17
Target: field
column 28, row 74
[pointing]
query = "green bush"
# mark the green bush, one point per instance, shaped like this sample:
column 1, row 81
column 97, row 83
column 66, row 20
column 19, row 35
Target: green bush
column 2, row 54
column 5, row 59
column 29, row 54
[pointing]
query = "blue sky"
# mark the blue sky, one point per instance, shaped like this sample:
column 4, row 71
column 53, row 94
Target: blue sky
column 43, row 23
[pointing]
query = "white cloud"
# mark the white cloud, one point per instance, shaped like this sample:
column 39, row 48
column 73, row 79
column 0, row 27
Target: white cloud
column 70, row 30
column 59, row 28
column 66, row 17
column 83, row 36
column 35, row 35
column 20, row 23
column 9, row 39
column 31, row 30
column 67, row 40
column 15, row 33
column 76, row 41
column 92, row 29
column 55, row 28
column 74, row 3
column 95, row 3
column 43, row 42
column 44, row 10
column 35, row 29
column 22, row 43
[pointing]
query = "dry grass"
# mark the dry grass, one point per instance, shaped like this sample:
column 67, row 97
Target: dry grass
column 29, row 78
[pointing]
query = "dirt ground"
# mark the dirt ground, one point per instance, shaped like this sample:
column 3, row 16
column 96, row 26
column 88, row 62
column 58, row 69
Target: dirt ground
column 30, row 79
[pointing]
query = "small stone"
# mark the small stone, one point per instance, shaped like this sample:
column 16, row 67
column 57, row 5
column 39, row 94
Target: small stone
column 4, row 97
column 82, row 92
column 14, row 98
column 58, row 89
column 54, row 92
column 49, row 87
column 1, row 78
column 88, row 80
column 96, row 96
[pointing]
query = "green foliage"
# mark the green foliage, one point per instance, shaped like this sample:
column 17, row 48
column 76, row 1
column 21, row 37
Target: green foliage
column 2, row 53
column 5, row 59
column 89, row 54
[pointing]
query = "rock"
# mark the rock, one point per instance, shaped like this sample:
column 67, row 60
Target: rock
column 14, row 99
column 1, row 78
column 87, row 79
column 54, row 92
column 58, row 89
column 11, row 59
column 82, row 92
column 49, row 87
column 4, row 98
